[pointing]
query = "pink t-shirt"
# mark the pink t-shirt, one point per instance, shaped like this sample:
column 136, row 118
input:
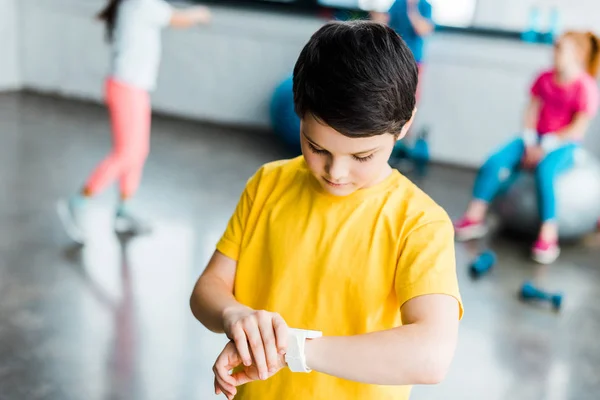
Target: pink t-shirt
column 560, row 103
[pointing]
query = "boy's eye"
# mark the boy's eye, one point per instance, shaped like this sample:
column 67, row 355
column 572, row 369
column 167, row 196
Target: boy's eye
column 321, row 151
column 363, row 159
column 315, row 150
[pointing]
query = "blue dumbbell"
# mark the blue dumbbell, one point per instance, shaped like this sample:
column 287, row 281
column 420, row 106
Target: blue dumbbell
column 483, row 263
column 530, row 292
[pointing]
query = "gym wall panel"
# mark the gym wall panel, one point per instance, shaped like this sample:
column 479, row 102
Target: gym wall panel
column 514, row 14
column 10, row 77
column 222, row 73
column 474, row 92
column 474, row 88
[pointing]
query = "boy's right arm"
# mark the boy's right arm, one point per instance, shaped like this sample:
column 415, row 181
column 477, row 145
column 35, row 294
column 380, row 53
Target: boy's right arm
column 259, row 335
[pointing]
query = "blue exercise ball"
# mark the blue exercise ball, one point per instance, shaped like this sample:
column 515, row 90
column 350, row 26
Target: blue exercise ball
column 284, row 120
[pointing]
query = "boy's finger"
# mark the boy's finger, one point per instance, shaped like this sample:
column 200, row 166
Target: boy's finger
column 241, row 345
column 223, row 376
column 241, row 378
column 221, row 370
column 217, row 389
column 258, row 350
column 227, row 389
column 269, row 343
column 281, row 333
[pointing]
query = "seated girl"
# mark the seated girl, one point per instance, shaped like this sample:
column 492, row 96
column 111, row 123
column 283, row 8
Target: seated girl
column 563, row 102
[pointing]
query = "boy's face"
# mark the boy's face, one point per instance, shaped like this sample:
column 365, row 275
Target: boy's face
column 341, row 164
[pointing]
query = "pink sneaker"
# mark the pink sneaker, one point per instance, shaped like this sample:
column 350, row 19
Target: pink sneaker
column 545, row 252
column 467, row 229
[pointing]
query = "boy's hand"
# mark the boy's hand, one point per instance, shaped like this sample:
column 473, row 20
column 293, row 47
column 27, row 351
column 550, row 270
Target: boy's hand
column 264, row 331
column 230, row 359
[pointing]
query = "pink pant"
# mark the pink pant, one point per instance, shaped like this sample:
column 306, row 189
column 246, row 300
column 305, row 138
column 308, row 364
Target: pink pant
column 130, row 116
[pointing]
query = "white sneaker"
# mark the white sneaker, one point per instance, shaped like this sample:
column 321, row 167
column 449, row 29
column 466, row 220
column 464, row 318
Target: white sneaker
column 70, row 219
column 128, row 224
column 545, row 252
column 466, row 229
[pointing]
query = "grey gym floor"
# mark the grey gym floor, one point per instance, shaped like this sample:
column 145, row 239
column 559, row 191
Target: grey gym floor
column 111, row 321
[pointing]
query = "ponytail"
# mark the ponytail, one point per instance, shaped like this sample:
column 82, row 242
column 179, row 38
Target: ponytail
column 109, row 16
column 594, row 54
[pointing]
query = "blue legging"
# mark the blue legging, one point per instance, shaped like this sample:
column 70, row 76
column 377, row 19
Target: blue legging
column 501, row 166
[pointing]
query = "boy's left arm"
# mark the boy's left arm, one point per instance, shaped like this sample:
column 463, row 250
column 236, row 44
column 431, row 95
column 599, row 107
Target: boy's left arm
column 418, row 352
column 421, row 350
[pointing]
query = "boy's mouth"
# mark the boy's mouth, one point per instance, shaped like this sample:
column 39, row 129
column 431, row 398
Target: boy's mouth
column 336, row 185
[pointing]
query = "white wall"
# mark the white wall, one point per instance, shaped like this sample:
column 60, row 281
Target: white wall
column 474, row 88
column 513, row 14
column 221, row 73
column 474, row 93
column 9, row 56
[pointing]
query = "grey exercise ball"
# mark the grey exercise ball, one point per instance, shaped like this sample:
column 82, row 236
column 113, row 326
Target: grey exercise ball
column 577, row 200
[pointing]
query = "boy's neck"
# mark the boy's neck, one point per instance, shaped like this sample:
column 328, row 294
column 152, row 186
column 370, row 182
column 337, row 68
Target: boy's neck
column 385, row 173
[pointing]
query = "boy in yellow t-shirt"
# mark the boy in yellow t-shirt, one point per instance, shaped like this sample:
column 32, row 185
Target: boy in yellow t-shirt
column 336, row 277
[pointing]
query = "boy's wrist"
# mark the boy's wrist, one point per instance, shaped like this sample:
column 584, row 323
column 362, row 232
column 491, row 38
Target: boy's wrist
column 309, row 352
column 232, row 310
column 299, row 343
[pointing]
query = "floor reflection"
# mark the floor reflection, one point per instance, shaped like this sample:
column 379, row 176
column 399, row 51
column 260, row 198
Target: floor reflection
column 111, row 320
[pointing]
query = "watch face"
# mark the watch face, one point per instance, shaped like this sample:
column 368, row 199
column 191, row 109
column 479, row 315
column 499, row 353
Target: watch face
column 313, row 334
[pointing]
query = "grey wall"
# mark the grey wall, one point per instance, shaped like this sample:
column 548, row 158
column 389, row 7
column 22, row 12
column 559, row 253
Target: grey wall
column 9, row 55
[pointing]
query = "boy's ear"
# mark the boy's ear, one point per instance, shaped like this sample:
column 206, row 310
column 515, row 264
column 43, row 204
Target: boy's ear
column 407, row 126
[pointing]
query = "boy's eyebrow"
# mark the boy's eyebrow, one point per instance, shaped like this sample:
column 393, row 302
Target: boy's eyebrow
column 355, row 154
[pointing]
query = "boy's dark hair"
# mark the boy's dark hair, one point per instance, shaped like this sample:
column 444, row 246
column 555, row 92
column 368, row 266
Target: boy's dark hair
column 358, row 77
column 109, row 16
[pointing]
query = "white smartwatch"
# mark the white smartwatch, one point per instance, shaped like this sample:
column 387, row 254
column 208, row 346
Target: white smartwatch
column 295, row 356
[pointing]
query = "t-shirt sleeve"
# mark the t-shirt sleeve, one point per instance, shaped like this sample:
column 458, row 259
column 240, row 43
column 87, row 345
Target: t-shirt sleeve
column 536, row 88
column 427, row 263
column 158, row 12
column 426, row 11
column 231, row 241
column 588, row 98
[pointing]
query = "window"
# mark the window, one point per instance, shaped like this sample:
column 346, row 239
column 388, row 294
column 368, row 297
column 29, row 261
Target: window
column 458, row 13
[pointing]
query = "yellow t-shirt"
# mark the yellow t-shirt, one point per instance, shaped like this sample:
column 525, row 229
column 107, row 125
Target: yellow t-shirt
column 341, row 265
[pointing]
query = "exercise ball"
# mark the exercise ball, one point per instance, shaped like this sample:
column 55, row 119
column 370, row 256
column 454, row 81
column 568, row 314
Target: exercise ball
column 577, row 200
column 284, row 120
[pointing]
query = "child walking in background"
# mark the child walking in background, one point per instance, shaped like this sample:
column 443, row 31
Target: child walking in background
column 134, row 30
column 413, row 21
column 563, row 102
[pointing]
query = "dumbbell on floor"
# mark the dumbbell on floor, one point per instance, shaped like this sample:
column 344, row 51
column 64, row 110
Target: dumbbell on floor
column 482, row 264
column 530, row 292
